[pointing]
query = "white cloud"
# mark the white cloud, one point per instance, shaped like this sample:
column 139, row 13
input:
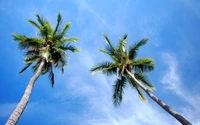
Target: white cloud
column 84, row 6
column 97, row 107
column 87, row 100
column 171, row 78
column 173, row 82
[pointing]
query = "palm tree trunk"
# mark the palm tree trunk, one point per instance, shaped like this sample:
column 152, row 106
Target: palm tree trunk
column 177, row 116
column 14, row 117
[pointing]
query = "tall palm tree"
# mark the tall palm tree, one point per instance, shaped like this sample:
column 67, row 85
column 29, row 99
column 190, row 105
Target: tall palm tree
column 131, row 70
column 46, row 52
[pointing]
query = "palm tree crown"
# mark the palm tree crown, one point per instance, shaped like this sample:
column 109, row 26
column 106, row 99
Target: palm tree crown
column 125, row 59
column 50, row 46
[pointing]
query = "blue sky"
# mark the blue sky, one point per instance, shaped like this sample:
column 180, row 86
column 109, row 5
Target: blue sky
column 79, row 98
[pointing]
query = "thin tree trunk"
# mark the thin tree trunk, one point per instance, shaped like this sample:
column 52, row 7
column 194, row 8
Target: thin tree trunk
column 176, row 115
column 14, row 117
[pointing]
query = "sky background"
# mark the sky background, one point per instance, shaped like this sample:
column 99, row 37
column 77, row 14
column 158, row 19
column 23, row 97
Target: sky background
column 79, row 98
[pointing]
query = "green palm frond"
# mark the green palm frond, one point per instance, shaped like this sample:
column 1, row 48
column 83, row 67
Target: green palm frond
column 26, row 42
column 46, row 31
column 118, row 90
column 110, row 71
column 30, row 59
column 106, row 52
column 32, row 52
column 34, row 23
column 27, row 65
column 31, row 55
column 69, row 47
column 107, row 68
column 63, row 41
column 122, row 45
column 144, row 80
column 40, row 19
column 109, row 52
column 49, row 30
column 133, row 50
column 108, row 42
column 140, row 94
column 134, row 85
column 59, row 20
column 63, row 32
column 143, row 65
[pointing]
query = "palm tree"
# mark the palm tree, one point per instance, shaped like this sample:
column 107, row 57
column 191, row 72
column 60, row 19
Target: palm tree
column 131, row 70
column 46, row 53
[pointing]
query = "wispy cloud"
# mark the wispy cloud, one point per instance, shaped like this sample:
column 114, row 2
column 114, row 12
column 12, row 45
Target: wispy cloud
column 83, row 5
column 97, row 107
column 173, row 82
column 171, row 78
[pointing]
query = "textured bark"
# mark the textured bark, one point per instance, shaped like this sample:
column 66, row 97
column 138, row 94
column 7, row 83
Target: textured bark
column 14, row 117
column 176, row 115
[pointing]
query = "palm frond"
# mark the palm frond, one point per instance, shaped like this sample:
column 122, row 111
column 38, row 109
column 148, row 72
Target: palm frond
column 122, row 45
column 46, row 31
column 31, row 55
column 118, row 90
column 107, row 68
column 114, row 54
column 69, row 47
column 134, row 85
column 133, row 50
column 143, row 65
column 30, row 59
column 62, row 70
column 56, row 56
column 144, row 80
column 34, row 23
column 108, row 42
column 125, row 36
column 40, row 19
column 110, row 71
column 61, row 63
column 62, row 42
column 140, row 94
column 59, row 20
column 32, row 52
column 63, row 32
column 51, row 76
column 58, row 59
column 64, row 63
column 27, row 65
column 26, row 42
column 46, row 68
column 37, row 64
column 108, row 51
column 35, row 67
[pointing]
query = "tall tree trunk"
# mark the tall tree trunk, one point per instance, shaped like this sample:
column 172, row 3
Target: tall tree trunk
column 14, row 117
column 176, row 115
